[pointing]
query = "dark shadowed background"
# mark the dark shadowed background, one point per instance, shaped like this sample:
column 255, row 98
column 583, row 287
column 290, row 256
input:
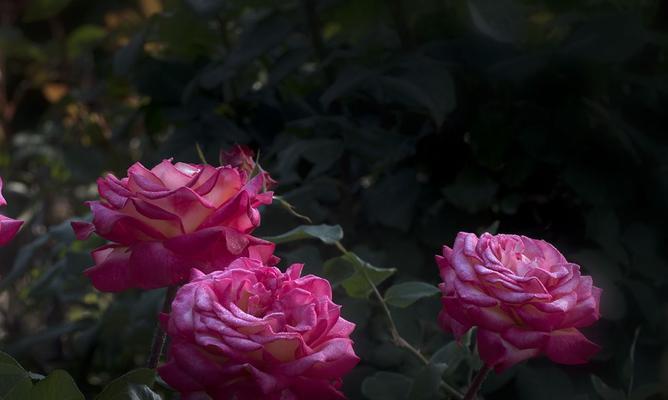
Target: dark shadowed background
column 402, row 121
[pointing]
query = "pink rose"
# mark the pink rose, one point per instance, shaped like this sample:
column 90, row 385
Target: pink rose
column 8, row 226
column 164, row 221
column 253, row 332
column 523, row 296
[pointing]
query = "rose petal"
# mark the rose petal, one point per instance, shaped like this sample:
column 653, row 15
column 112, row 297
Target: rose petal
column 8, row 229
column 569, row 346
column 500, row 354
column 111, row 271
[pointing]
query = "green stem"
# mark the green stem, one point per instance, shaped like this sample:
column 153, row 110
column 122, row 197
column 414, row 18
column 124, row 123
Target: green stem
column 160, row 336
column 291, row 209
column 477, row 383
column 632, row 353
column 396, row 337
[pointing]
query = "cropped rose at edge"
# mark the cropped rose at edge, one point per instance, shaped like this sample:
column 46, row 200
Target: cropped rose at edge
column 252, row 332
column 162, row 222
column 523, row 296
column 8, row 227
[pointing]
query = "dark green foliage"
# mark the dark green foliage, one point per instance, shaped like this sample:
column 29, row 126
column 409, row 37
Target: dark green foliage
column 545, row 118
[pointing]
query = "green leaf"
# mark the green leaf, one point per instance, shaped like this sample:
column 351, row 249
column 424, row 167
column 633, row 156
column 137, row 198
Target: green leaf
column 502, row 20
column 9, row 360
column 422, row 82
column 349, row 271
column 336, row 270
column 142, row 392
column 206, row 6
column 452, row 354
column 543, row 383
column 427, row 382
column 407, row 293
column 322, row 154
column 647, row 392
column 126, row 57
column 391, row 202
column 59, row 385
column 328, row 234
column 260, row 37
column 349, row 80
column 15, row 383
column 119, row 388
column 387, row 386
column 471, row 191
column 84, row 38
column 608, row 38
column 43, row 9
column 605, row 391
column 22, row 262
column 357, row 285
column 49, row 333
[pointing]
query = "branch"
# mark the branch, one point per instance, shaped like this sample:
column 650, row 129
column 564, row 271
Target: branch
column 477, row 382
column 396, row 336
column 160, row 336
column 394, row 332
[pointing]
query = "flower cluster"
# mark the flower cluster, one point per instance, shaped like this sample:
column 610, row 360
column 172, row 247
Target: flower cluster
column 240, row 328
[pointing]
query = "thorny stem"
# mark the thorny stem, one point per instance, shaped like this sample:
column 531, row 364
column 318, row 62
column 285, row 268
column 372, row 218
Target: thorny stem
column 396, row 337
column 160, row 336
column 477, row 383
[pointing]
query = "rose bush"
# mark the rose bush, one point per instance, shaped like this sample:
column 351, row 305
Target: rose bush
column 162, row 222
column 523, row 296
column 8, row 226
column 252, row 332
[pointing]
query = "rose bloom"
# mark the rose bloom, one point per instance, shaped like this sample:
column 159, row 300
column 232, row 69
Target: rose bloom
column 523, row 296
column 8, row 226
column 164, row 221
column 253, row 332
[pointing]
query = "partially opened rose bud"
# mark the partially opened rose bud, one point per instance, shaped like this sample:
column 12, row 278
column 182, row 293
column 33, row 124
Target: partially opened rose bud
column 523, row 296
column 253, row 332
column 242, row 157
column 8, row 227
column 164, row 221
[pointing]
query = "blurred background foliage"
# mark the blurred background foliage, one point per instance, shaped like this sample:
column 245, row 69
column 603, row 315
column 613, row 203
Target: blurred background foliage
column 404, row 122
